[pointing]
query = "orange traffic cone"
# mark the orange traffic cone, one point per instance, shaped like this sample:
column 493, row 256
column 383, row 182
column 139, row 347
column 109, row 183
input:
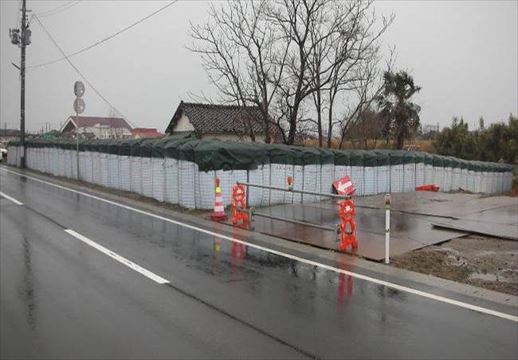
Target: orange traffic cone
column 219, row 208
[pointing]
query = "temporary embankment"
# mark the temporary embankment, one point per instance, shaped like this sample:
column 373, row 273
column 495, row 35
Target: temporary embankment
column 181, row 170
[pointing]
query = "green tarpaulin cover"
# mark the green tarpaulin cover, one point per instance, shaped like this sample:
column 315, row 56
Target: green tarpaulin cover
column 212, row 154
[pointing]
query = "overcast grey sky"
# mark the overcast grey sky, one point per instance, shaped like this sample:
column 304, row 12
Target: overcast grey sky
column 464, row 55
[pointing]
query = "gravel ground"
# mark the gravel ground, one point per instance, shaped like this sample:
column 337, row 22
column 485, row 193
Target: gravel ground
column 486, row 262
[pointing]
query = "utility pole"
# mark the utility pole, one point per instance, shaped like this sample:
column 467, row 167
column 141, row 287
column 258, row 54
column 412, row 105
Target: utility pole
column 22, row 83
column 79, row 107
column 22, row 38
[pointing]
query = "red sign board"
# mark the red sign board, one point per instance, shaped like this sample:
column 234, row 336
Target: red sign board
column 344, row 186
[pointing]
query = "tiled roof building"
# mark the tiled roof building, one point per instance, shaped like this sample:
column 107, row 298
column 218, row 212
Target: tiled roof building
column 218, row 121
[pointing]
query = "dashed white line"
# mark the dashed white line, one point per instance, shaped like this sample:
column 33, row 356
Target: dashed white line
column 10, row 198
column 117, row 257
column 289, row 256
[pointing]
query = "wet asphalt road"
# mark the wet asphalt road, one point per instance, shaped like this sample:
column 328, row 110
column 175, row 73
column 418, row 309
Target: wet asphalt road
column 60, row 298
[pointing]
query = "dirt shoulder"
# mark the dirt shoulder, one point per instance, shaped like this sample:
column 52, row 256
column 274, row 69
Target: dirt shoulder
column 486, row 262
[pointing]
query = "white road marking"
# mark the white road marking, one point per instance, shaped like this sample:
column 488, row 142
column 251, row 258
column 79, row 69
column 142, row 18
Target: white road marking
column 10, row 198
column 289, row 256
column 118, row 258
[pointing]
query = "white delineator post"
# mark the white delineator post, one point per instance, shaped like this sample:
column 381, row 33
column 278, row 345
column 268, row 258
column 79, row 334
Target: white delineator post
column 387, row 228
column 77, row 151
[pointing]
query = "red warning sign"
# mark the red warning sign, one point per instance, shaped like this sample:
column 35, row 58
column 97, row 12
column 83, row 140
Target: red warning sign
column 344, row 186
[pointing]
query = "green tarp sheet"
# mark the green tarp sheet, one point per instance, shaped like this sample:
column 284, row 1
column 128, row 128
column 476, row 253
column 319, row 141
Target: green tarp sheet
column 211, row 154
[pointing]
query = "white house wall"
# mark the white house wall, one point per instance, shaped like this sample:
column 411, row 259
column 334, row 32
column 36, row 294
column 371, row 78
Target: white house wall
column 183, row 125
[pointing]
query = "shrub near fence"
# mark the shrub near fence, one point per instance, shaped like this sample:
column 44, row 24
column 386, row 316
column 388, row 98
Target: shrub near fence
column 181, row 170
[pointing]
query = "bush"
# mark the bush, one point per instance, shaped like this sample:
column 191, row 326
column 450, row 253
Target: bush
column 497, row 143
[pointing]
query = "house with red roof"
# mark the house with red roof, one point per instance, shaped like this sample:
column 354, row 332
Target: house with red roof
column 140, row 133
column 97, row 127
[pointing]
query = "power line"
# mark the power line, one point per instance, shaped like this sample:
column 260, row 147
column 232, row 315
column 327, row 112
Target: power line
column 77, row 70
column 105, row 39
column 59, row 8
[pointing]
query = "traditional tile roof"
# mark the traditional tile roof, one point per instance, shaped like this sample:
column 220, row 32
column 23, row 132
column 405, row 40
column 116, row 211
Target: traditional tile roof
column 91, row 121
column 218, row 119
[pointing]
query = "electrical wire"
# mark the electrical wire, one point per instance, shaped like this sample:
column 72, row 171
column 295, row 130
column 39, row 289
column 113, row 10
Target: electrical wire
column 97, row 43
column 59, row 8
column 78, row 71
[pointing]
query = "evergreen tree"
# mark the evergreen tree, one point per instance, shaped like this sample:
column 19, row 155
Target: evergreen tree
column 401, row 114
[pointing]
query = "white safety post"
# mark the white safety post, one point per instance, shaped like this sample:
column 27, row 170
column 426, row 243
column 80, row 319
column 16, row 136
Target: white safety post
column 387, row 228
column 77, row 152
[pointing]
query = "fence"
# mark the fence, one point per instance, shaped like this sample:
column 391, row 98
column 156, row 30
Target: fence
column 182, row 170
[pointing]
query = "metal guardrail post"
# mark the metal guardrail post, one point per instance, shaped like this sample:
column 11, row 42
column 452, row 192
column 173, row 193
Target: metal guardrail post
column 247, row 189
column 387, row 228
column 293, row 221
column 251, row 220
column 333, row 196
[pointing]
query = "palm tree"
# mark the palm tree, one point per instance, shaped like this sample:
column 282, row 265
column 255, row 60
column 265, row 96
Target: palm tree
column 401, row 114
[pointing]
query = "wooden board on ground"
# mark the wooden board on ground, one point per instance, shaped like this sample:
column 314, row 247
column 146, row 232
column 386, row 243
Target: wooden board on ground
column 408, row 232
column 503, row 231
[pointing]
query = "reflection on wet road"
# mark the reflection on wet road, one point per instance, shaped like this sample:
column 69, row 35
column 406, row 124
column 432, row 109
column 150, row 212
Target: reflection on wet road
column 61, row 298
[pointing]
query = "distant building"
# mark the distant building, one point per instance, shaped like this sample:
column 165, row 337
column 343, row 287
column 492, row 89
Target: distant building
column 224, row 122
column 97, row 127
column 7, row 135
column 140, row 133
column 428, row 128
column 428, row 131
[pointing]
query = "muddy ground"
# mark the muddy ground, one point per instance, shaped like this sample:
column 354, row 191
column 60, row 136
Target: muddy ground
column 486, row 262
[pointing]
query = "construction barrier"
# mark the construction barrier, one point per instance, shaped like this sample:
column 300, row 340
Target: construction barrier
column 345, row 231
column 347, row 214
column 239, row 208
column 181, row 170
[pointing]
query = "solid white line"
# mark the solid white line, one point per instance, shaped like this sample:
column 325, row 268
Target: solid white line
column 10, row 198
column 289, row 256
column 117, row 257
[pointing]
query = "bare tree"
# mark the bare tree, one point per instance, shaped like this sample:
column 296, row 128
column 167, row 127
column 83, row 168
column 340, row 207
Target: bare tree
column 367, row 129
column 364, row 89
column 297, row 22
column 294, row 59
column 237, row 47
column 356, row 76
column 326, row 57
column 335, row 51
